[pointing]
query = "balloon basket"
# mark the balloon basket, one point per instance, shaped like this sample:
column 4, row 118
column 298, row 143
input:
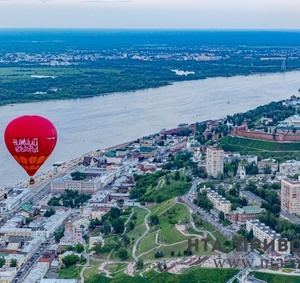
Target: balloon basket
column 31, row 181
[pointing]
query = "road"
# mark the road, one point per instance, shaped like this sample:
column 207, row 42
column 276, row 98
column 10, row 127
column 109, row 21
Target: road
column 186, row 199
column 24, row 271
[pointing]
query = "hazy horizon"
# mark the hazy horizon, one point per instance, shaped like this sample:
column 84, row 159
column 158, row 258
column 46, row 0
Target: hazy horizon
column 151, row 14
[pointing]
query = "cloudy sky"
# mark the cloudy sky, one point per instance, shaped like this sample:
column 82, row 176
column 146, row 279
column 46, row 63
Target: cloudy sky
column 161, row 14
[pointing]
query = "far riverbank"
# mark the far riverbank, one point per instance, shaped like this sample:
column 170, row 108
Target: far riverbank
column 92, row 124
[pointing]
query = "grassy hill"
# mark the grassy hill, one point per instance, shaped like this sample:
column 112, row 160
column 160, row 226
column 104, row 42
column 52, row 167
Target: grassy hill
column 192, row 275
column 277, row 278
column 261, row 148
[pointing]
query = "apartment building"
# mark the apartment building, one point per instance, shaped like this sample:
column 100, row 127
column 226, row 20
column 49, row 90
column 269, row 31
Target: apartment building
column 264, row 233
column 219, row 202
column 214, row 161
column 290, row 196
column 251, row 198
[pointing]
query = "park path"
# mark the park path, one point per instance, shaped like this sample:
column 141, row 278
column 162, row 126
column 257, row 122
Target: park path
column 144, row 234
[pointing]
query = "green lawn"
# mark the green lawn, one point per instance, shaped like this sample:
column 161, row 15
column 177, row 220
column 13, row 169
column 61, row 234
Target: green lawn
column 157, row 209
column 136, row 232
column 147, row 243
column 115, row 267
column 167, row 221
column 274, row 278
column 208, row 227
column 73, row 272
column 140, row 213
column 194, row 274
column 93, row 270
column 180, row 247
column 192, row 231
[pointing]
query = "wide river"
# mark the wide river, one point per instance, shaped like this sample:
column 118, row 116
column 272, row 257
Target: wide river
column 86, row 125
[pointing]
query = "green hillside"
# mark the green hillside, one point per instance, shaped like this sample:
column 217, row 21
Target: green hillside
column 192, row 275
column 261, row 148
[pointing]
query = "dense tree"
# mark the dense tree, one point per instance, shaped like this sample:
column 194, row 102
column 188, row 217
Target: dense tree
column 114, row 212
column 126, row 240
column 28, row 220
column 70, row 248
column 13, row 262
column 79, row 248
column 221, row 216
column 177, row 176
column 251, row 168
column 2, row 261
column 69, row 198
column 267, row 169
column 70, row 260
column 203, row 201
column 77, row 176
column 118, row 225
column 122, row 254
column 94, row 222
column 97, row 247
column 58, row 235
column 120, row 202
column 49, row 212
column 140, row 264
column 154, row 220
column 249, row 235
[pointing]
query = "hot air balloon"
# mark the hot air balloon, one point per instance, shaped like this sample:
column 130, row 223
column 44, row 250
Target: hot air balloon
column 30, row 140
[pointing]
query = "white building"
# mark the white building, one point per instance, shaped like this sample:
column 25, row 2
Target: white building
column 241, row 172
column 37, row 273
column 264, row 233
column 107, row 178
column 289, row 167
column 7, row 274
column 219, row 202
column 30, row 248
column 20, row 258
column 87, row 186
column 15, row 199
column 55, row 221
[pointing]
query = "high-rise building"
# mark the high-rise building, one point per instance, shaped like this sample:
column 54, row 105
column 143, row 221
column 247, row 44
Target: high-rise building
column 290, row 196
column 214, row 161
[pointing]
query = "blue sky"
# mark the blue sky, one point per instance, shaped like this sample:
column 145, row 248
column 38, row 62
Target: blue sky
column 164, row 14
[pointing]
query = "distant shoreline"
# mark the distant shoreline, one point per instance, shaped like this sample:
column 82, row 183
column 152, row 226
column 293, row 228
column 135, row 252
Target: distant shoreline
column 155, row 87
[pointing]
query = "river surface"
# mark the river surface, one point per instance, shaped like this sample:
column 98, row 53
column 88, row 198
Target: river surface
column 86, row 125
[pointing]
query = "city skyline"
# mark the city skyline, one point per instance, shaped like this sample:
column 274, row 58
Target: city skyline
column 146, row 14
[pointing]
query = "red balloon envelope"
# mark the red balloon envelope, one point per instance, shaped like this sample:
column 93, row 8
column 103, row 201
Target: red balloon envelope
column 30, row 140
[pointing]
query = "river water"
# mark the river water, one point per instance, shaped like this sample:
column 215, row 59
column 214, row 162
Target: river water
column 86, row 125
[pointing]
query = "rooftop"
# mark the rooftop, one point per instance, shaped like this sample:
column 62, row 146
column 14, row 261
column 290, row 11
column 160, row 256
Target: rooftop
column 251, row 209
column 252, row 196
